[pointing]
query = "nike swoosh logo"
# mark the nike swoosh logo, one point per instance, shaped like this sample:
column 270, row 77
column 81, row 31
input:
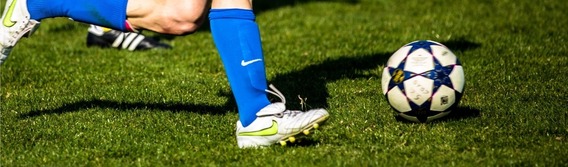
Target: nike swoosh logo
column 7, row 20
column 272, row 130
column 246, row 63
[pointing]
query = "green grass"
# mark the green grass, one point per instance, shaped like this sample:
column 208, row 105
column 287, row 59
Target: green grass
column 63, row 104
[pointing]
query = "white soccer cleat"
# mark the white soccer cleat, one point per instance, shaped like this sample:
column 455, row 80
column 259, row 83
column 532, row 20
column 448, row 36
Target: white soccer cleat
column 276, row 125
column 16, row 23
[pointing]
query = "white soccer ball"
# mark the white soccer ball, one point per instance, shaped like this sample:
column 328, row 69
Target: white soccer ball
column 423, row 81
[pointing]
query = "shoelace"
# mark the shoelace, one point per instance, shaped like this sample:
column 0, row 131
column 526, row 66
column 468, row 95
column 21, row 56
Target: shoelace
column 276, row 93
column 289, row 113
column 279, row 94
column 16, row 35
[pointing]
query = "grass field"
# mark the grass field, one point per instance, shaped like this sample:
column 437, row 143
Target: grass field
column 63, row 104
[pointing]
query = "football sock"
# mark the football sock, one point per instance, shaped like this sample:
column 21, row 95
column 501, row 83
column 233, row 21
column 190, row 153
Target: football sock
column 237, row 38
column 108, row 13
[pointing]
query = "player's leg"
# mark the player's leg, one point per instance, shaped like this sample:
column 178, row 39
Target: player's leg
column 133, row 41
column 237, row 38
column 178, row 17
column 21, row 17
column 108, row 13
column 163, row 16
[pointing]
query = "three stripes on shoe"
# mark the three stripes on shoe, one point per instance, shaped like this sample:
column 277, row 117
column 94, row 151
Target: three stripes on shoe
column 128, row 41
column 122, row 40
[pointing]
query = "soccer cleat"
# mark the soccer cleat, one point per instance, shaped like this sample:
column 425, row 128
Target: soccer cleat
column 131, row 41
column 292, row 139
column 277, row 125
column 16, row 23
column 307, row 132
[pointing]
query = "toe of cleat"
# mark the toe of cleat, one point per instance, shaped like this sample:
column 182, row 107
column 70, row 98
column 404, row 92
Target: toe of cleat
column 316, row 126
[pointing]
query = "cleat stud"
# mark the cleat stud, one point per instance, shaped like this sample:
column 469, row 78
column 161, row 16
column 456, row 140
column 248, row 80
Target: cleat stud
column 306, row 132
column 292, row 139
column 316, row 126
column 283, row 143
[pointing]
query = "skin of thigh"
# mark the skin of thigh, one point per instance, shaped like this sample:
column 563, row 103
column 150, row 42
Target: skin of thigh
column 176, row 17
column 241, row 4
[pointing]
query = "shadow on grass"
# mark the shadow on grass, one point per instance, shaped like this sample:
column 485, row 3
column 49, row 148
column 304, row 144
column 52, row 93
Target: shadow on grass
column 127, row 106
column 309, row 82
column 457, row 114
column 304, row 142
column 461, row 113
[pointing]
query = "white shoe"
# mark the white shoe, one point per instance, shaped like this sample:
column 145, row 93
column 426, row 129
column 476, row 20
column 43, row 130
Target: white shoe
column 274, row 124
column 16, row 23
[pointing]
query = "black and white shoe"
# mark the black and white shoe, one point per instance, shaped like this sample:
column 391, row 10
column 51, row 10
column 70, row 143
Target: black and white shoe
column 122, row 40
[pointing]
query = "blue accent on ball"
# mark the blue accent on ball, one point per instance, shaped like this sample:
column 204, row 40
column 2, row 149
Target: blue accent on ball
column 421, row 112
column 440, row 74
column 424, row 106
column 422, row 44
column 393, row 84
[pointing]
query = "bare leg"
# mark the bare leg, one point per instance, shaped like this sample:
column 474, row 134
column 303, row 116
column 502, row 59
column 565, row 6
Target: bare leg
column 241, row 4
column 177, row 17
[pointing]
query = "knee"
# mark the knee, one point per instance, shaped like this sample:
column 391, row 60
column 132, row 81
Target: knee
column 182, row 21
column 179, row 28
column 181, row 24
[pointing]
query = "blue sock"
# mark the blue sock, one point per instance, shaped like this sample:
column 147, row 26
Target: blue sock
column 237, row 38
column 108, row 13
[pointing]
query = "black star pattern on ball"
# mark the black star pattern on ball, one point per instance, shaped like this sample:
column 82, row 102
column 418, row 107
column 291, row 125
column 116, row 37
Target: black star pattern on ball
column 440, row 74
column 423, row 44
column 399, row 76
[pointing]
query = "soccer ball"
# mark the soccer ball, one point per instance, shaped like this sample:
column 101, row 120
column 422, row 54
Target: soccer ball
column 423, row 81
